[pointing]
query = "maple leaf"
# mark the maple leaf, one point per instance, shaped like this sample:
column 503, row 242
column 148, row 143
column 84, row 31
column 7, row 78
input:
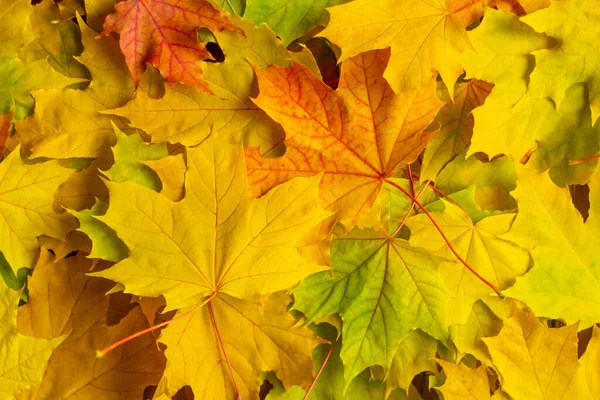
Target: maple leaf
column 58, row 40
column 413, row 356
column 97, row 11
column 231, row 230
column 128, row 153
column 497, row 260
column 289, row 19
column 26, row 197
column 16, row 31
column 576, row 27
column 564, row 281
column 18, row 79
column 331, row 380
column 492, row 60
column 491, row 181
column 81, row 190
column 481, row 323
column 76, row 128
column 188, row 115
column 163, row 33
column 258, row 338
column 464, row 383
column 456, row 127
column 425, row 37
column 383, row 289
column 360, row 134
column 536, row 362
column 22, row 358
column 587, row 379
column 79, row 307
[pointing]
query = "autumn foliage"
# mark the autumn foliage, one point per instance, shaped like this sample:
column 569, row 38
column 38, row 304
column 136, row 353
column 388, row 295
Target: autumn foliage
column 294, row 199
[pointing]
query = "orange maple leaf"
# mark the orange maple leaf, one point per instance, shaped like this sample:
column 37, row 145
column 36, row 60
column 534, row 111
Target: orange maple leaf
column 164, row 34
column 360, row 134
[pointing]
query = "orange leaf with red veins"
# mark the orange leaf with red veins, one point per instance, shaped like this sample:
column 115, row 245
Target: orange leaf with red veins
column 360, row 134
column 164, row 34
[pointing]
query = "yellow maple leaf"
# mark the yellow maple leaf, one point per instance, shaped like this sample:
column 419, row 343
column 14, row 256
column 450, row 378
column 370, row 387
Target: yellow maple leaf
column 425, row 36
column 464, row 383
column 16, row 31
column 78, row 309
column 258, row 338
column 217, row 239
column 26, row 197
column 536, row 362
column 22, row 358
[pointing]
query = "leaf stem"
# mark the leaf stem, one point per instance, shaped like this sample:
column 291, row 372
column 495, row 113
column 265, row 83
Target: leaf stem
column 218, row 333
column 412, row 207
column 584, row 159
column 441, row 232
column 312, row 385
column 450, row 199
column 104, row 351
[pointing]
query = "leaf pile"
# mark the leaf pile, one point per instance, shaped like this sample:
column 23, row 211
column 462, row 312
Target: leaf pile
column 293, row 199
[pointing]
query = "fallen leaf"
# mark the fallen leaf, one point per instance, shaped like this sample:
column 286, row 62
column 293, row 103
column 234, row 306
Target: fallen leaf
column 163, row 33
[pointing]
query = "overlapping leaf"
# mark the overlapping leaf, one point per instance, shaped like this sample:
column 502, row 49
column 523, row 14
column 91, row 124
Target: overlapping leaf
column 425, row 36
column 360, row 134
column 79, row 307
column 215, row 240
column 564, row 281
column 23, row 358
column 163, row 33
column 26, row 198
column 383, row 289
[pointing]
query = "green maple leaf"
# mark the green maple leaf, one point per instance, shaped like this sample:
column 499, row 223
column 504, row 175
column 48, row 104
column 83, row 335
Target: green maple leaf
column 383, row 289
column 289, row 19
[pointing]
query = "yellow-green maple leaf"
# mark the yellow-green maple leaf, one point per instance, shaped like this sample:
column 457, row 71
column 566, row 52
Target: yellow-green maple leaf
column 22, row 358
column 19, row 78
column 575, row 24
column 383, row 289
column 456, row 126
column 57, row 40
column 502, row 47
column 68, row 123
column 544, row 134
column 564, row 281
column 425, row 36
column 413, row 356
column 535, row 362
column 217, row 239
column 497, row 260
column 289, row 19
column 482, row 322
column 26, row 197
